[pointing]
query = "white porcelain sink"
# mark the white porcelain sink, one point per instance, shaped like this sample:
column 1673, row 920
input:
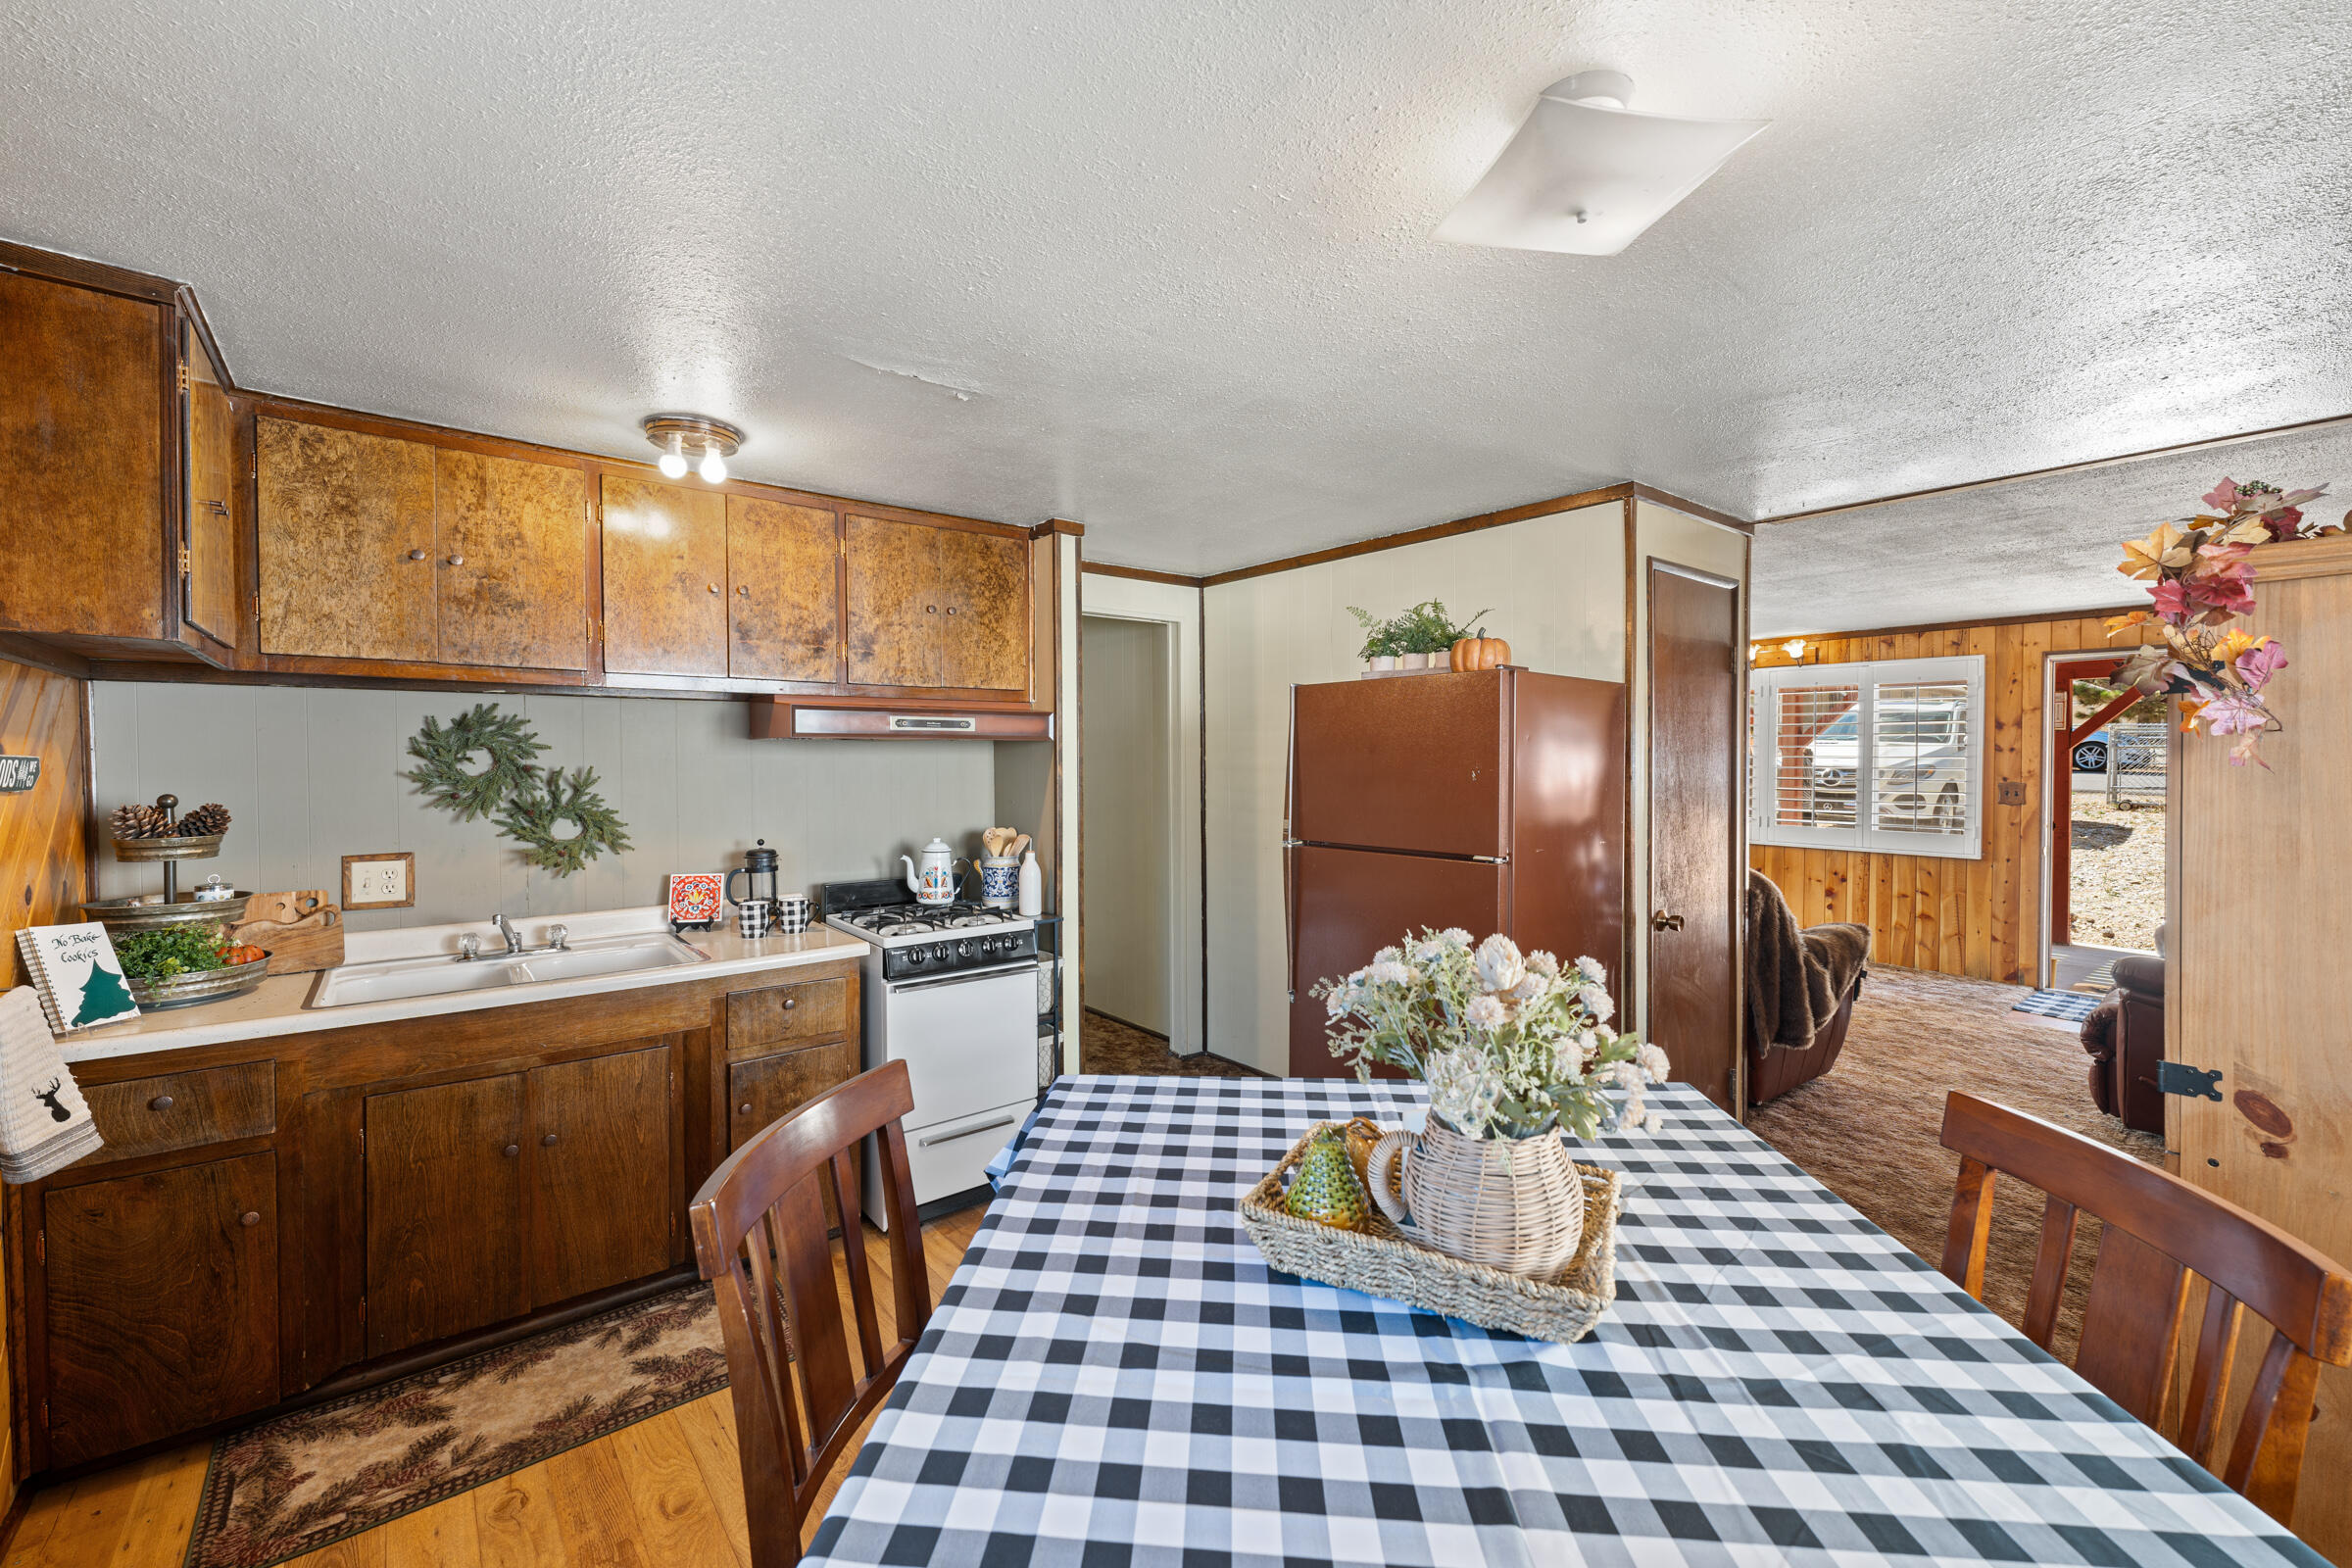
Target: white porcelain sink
column 402, row 979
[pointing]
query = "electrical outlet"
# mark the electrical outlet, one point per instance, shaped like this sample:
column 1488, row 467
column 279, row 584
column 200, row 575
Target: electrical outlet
column 385, row 881
column 2013, row 792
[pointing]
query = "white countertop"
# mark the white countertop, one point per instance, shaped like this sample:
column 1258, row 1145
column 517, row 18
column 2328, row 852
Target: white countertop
column 278, row 1005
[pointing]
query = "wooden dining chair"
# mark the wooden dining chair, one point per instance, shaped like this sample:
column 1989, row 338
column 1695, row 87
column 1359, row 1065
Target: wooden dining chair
column 2158, row 1230
column 759, row 1233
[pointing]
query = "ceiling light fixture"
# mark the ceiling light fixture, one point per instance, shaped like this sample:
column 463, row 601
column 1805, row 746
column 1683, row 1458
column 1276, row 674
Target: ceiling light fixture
column 1586, row 175
column 677, row 434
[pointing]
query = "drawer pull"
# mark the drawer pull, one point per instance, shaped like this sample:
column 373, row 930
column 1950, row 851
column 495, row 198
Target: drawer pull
column 511, row 1149
column 248, row 1218
column 791, row 1003
column 549, row 1142
column 160, row 1102
column 744, row 1109
column 948, row 1138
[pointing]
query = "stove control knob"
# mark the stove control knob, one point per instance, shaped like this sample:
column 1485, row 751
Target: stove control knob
column 963, row 950
column 942, row 953
column 914, row 957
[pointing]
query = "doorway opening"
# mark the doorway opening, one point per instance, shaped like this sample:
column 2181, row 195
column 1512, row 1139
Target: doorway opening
column 1128, row 845
column 2108, row 819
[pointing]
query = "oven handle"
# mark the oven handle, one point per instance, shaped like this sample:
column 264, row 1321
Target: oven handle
column 965, row 977
column 948, row 1138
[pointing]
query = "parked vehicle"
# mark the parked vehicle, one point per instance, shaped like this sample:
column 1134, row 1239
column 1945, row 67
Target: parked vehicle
column 1920, row 762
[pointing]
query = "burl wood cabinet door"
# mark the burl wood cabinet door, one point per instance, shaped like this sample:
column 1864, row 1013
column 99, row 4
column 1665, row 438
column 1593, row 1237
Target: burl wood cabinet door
column 445, row 1234
column 600, row 1176
column 895, row 627
column 666, row 576
column 346, row 542
column 81, row 492
column 984, row 582
column 161, row 1297
column 784, row 599
column 512, row 561
column 208, row 592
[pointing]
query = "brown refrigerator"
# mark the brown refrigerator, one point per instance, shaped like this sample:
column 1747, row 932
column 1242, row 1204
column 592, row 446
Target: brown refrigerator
column 1492, row 799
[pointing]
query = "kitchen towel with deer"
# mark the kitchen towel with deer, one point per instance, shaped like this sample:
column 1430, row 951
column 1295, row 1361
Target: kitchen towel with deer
column 45, row 1124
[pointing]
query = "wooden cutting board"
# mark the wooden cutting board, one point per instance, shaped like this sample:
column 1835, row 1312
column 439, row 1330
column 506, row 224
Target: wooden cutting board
column 302, row 930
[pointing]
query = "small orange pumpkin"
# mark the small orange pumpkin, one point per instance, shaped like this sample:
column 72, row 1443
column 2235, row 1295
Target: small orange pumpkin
column 1480, row 653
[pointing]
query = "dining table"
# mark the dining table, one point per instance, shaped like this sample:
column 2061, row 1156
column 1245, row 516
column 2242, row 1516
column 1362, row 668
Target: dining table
column 1115, row 1375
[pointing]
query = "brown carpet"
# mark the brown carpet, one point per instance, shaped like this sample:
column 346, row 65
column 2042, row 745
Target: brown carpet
column 298, row 1483
column 1111, row 1046
column 1868, row 1130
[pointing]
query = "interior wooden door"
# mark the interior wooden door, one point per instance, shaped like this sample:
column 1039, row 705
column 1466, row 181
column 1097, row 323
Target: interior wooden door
column 1695, row 840
column 346, row 542
column 81, row 496
column 2254, row 984
column 600, row 1172
column 984, row 586
column 784, row 591
column 894, row 626
column 160, row 1293
column 445, row 1224
column 666, row 576
column 512, row 561
column 209, row 590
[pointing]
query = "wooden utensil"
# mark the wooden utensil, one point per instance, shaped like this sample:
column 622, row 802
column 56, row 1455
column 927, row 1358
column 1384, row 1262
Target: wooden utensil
column 302, row 930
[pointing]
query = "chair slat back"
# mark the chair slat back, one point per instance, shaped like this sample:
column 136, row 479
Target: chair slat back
column 759, row 1236
column 2157, row 1232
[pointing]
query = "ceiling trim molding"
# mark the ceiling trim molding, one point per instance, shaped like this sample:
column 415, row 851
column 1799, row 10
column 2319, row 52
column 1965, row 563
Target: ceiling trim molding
column 1174, row 579
column 1059, row 525
column 1690, row 509
column 1621, row 491
column 105, row 276
column 2088, row 464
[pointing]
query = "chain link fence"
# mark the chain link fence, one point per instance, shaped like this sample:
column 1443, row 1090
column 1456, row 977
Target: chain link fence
column 2135, row 763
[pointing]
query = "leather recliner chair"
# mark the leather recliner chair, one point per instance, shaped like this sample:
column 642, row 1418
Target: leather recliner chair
column 2125, row 1038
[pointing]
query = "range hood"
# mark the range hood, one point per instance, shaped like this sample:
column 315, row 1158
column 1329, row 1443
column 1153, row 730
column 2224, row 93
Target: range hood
column 780, row 719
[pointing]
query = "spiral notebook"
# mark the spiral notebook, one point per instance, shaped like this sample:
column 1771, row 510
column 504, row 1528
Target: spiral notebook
column 80, row 979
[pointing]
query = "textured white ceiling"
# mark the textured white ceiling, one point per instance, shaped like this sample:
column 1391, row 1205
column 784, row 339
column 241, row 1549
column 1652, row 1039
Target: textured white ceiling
column 1167, row 268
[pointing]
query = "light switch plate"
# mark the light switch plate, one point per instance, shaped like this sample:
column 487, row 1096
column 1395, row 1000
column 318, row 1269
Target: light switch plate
column 385, row 881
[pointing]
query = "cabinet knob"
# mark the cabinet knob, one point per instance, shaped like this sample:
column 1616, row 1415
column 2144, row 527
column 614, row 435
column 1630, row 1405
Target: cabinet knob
column 744, row 1109
column 549, row 1142
column 790, row 1003
column 160, row 1102
column 744, row 593
column 715, row 587
column 511, row 1149
column 950, row 609
column 930, row 609
column 415, row 555
column 457, row 560
column 249, row 1217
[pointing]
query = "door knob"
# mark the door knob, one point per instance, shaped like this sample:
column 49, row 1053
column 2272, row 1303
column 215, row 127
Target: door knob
column 1662, row 922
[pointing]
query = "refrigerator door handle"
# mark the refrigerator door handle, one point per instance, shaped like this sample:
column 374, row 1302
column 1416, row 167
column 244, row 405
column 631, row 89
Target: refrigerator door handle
column 1491, row 860
column 1289, row 919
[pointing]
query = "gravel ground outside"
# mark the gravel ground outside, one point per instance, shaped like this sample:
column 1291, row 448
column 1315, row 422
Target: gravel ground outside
column 2116, row 889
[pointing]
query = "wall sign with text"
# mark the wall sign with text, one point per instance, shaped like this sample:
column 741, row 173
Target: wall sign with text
column 19, row 773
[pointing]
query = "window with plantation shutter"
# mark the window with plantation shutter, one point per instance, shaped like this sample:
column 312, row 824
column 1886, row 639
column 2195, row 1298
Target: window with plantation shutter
column 1886, row 756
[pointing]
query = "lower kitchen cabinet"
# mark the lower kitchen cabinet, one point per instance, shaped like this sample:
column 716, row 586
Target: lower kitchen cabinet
column 600, row 1211
column 445, row 1239
column 159, row 1296
column 774, row 1087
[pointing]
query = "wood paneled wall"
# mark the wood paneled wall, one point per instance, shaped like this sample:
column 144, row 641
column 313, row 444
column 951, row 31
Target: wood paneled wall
column 1979, row 917
column 44, row 867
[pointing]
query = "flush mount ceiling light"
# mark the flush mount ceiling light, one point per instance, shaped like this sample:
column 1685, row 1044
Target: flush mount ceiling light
column 1586, row 175
column 677, row 434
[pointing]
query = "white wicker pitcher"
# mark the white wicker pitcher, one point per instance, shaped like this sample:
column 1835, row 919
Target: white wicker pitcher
column 1513, row 1204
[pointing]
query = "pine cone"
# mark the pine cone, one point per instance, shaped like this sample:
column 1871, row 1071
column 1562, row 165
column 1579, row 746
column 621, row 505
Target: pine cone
column 207, row 818
column 142, row 821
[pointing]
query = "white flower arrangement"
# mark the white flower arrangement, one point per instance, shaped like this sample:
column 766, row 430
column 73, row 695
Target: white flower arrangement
column 1511, row 1044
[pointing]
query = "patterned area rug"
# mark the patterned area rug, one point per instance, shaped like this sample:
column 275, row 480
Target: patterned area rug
column 1114, row 1047
column 2072, row 1005
column 306, row 1479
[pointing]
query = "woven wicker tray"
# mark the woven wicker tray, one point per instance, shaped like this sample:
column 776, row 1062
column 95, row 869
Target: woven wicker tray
column 1386, row 1261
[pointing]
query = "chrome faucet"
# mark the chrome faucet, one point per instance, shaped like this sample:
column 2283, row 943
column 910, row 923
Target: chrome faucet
column 505, row 928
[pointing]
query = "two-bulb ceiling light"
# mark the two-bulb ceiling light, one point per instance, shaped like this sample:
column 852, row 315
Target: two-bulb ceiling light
column 678, row 434
column 1584, row 174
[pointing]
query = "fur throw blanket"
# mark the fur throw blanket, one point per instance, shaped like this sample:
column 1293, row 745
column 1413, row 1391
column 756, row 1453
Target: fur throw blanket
column 1796, row 979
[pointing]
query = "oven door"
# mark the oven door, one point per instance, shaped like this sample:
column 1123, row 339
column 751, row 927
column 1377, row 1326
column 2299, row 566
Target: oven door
column 969, row 1040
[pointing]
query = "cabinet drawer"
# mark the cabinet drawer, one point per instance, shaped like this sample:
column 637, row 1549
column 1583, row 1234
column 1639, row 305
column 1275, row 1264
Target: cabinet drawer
column 809, row 1010
column 181, row 1109
column 772, row 1088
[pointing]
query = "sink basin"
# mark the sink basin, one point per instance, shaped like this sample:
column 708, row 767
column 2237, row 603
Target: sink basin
column 402, row 979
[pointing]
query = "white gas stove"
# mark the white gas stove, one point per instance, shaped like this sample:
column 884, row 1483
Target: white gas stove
column 950, row 990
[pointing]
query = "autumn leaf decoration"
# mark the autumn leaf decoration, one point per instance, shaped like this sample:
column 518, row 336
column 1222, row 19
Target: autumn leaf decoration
column 2199, row 579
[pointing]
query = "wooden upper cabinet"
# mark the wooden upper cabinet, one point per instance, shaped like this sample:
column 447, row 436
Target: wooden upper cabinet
column 208, row 439
column 601, row 1207
column 783, row 591
column 984, row 578
column 82, row 526
column 937, row 607
column 511, row 553
column 666, row 577
column 346, row 543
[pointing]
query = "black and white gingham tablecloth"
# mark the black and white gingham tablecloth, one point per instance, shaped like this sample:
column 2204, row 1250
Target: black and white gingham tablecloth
column 1115, row 1376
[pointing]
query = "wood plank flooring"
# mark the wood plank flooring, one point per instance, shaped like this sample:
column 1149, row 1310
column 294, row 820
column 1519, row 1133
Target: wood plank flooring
column 663, row 1491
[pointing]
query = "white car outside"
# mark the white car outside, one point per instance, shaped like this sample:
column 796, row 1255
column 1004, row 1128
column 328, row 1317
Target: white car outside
column 1921, row 761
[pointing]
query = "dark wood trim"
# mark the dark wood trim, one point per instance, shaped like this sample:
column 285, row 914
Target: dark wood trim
column 1141, row 574
column 41, row 655
column 1675, row 502
column 1200, row 653
column 2208, row 444
column 83, row 272
column 1414, row 536
column 185, row 299
column 1059, row 525
column 1970, row 625
column 1637, row 877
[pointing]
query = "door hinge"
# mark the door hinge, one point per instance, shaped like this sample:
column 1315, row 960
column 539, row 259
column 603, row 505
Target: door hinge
column 2195, row 1082
column 184, row 377
column 184, row 560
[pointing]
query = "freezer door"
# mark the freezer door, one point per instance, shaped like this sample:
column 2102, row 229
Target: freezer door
column 1414, row 762
column 1347, row 904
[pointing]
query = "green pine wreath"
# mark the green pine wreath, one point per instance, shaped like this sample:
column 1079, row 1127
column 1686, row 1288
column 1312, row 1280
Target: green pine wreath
column 551, row 796
column 505, row 739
